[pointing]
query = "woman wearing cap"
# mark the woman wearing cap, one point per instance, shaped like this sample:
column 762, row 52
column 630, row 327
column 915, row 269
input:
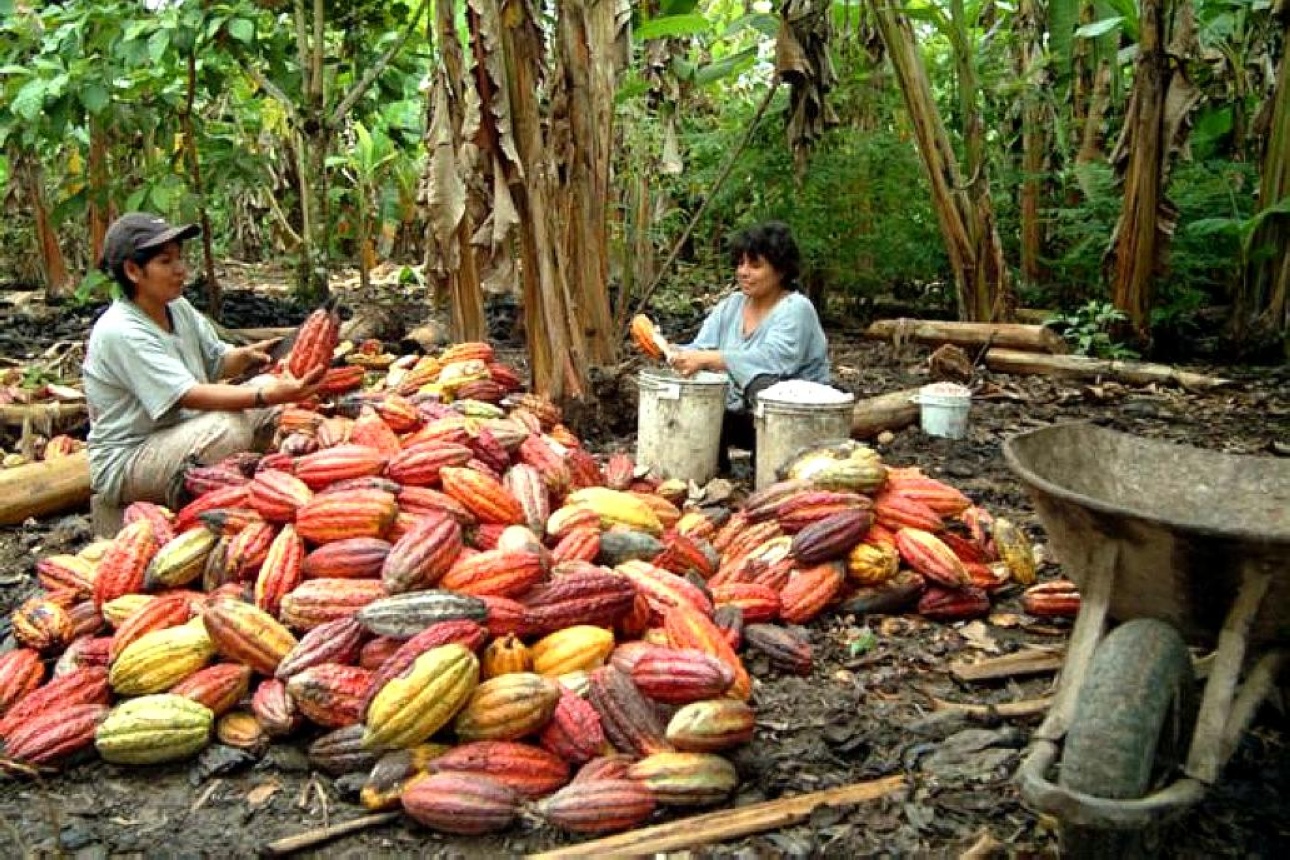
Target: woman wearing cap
column 152, row 371
column 765, row 333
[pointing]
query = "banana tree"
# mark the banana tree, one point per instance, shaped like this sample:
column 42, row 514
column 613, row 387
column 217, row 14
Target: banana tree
column 1155, row 130
column 961, row 197
column 1263, row 302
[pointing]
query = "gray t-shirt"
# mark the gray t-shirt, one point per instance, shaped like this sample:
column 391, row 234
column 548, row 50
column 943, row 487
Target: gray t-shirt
column 135, row 373
column 788, row 343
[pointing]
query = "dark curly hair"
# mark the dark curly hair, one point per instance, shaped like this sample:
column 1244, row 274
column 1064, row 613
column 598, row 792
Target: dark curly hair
column 772, row 242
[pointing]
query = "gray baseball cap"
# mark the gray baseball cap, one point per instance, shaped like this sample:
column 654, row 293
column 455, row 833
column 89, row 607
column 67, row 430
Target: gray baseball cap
column 140, row 231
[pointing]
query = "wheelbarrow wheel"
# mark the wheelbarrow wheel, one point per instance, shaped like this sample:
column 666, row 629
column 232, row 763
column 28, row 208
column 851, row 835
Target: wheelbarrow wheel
column 1129, row 730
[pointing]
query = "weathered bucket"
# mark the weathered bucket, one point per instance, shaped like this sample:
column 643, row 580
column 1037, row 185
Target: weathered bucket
column 678, row 426
column 785, row 427
column 943, row 409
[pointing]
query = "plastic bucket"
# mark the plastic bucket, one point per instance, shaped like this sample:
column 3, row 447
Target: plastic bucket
column 943, row 411
column 678, row 424
column 786, row 427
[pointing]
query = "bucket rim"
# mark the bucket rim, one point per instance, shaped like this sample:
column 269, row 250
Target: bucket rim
column 702, row 379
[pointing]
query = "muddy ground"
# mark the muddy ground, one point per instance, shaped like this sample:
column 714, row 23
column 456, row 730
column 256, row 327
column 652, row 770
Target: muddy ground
column 866, row 712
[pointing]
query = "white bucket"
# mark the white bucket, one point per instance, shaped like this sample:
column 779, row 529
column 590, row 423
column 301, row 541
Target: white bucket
column 785, row 427
column 678, row 426
column 943, row 409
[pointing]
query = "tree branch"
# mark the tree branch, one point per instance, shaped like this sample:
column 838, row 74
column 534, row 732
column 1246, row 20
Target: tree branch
column 716, row 185
column 272, row 89
column 374, row 71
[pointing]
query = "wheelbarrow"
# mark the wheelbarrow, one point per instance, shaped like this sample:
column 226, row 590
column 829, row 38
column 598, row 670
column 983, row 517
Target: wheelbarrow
column 1171, row 547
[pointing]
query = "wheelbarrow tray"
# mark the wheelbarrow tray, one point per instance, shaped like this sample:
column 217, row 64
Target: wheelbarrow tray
column 1181, row 523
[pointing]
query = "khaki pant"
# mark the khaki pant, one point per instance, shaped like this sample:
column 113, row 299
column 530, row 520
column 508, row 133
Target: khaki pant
column 155, row 472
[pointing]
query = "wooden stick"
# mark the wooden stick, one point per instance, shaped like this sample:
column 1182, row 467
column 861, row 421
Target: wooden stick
column 317, row 836
column 1205, row 758
column 728, row 823
column 1032, row 338
column 1083, row 367
column 1023, row 708
column 1007, row 666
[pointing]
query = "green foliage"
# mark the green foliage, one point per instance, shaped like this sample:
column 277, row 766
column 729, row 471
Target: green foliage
column 1090, row 330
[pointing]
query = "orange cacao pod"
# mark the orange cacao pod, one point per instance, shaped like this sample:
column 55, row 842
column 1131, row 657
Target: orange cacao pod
column 678, row 676
column 809, row 590
column 317, row 601
column 530, row 771
column 247, row 634
column 315, row 342
column 123, row 566
column 483, row 496
column 496, row 572
column 352, row 558
column 926, row 554
column 219, row 687
column 20, row 673
column 688, row 628
column 87, row 686
column 332, row 517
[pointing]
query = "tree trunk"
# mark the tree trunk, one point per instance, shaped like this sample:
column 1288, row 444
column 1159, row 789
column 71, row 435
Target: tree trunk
column 1030, row 62
column 1086, row 367
column 1263, row 303
column 1155, row 126
column 1036, row 338
column 214, row 291
column 963, row 209
column 97, row 192
column 29, row 177
column 451, row 255
column 591, row 48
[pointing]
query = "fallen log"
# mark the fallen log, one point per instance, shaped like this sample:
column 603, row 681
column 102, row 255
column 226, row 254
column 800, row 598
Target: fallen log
column 1084, row 367
column 47, row 487
column 893, row 411
column 1031, row 338
column 728, row 823
column 317, row 836
column 54, row 414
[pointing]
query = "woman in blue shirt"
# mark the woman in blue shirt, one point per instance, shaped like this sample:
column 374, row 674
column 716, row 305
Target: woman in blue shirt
column 765, row 333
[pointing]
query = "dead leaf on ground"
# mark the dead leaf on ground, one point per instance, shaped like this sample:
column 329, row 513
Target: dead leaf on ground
column 262, row 793
column 978, row 636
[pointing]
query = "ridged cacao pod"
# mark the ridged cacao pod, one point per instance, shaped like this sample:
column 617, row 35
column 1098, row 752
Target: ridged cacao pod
column 711, row 726
column 686, row 778
column 788, row 651
column 247, row 634
column 329, row 694
column 412, row 707
column 530, row 771
column 459, row 803
column 154, row 729
column 598, row 806
column 355, row 558
column 507, row 708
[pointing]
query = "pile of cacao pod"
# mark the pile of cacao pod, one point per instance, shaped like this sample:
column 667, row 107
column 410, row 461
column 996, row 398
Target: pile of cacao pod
column 471, row 608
